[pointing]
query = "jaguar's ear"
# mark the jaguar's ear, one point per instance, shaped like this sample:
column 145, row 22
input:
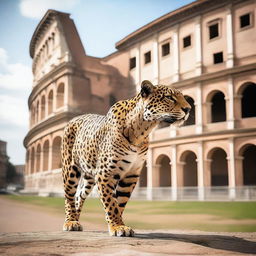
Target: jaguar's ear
column 146, row 88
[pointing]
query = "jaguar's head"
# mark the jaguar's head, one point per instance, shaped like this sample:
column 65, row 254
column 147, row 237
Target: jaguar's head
column 163, row 103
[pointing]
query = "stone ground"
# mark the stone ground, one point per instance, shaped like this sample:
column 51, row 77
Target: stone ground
column 26, row 230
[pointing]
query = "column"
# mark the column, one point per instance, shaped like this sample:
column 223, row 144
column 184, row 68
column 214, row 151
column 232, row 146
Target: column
column 230, row 45
column 174, row 171
column 199, row 109
column 149, row 174
column 198, row 45
column 176, row 54
column 200, row 171
column 231, row 169
column 50, row 158
column 137, row 71
column 230, row 104
column 155, row 61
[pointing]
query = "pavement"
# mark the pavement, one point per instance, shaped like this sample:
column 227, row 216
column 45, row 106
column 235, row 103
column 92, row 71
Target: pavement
column 157, row 242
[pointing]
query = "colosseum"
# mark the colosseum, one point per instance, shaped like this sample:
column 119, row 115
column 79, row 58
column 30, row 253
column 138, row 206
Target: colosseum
column 206, row 49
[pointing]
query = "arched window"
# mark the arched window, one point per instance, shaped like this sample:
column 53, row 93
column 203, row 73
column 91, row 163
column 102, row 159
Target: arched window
column 191, row 118
column 143, row 175
column 43, row 107
column 38, row 158
column 219, row 168
column 218, row 107
column 249, row 165
column 60, row 95
column 46, row 156
column 165, row 179
column 56, row 157
column 189, row 169
column 50, row 102
column 249, row 101
column 37, row 111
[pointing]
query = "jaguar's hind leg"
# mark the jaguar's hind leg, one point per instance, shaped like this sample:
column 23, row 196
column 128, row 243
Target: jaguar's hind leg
column 71, row 177
column 84, row 188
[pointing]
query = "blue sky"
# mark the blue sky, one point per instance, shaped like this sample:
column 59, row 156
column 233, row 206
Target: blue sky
column 100, row 23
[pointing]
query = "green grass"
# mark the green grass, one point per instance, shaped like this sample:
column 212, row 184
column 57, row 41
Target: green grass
column 157, row 213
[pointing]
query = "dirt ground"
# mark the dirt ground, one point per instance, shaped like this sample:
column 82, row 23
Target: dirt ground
column 27, row 230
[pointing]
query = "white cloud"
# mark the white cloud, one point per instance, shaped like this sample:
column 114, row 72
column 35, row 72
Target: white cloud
column 36, row 8
column 15, row 85
column 13, row 110
column 14, row 76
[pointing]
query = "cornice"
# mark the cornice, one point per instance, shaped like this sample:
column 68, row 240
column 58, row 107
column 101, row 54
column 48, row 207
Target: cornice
column 214, row 75
column 171, row 19
column 231, row 133
column 50, row 122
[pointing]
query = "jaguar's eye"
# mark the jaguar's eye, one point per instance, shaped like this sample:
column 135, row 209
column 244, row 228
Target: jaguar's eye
column 170, row 98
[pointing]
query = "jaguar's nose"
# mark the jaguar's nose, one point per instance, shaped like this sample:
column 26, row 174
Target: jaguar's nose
column 186, row 110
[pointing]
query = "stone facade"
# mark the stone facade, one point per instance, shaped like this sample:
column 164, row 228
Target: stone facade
column 206, row 49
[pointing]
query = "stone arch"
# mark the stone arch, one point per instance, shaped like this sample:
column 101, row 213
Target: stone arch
column 60, row 95
column 190, row 173
column 56, row 155
column 218, row 167
column 248, row 96
column 248, row 154
column 191, row 119
column 38, row 158
column 50, row 102
column 164, row 171
column 143, row 175
column 43, row 107
column 32, row 161
column 217, row 106
column 46, row 151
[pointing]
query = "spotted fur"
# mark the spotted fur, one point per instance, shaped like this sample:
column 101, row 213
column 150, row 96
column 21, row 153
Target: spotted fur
column 110, row 151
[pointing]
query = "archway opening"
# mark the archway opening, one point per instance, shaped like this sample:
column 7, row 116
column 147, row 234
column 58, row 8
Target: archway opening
column 143, row 175
column 191, row 118
column 249, row 165
column 219, row 168
column 189, row 169
column 56, row 157
column 43, row 107
column 60, row 95
column 248, row 101
column 38, row 158
column 46, row 156
column 165, row 179
column 218, row 107
column 50, row 102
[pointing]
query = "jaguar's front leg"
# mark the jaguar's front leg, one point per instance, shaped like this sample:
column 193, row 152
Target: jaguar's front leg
column 106, row 187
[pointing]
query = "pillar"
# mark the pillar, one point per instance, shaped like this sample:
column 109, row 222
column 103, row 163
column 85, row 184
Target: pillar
column 66, row 94
column 54, row 107
column 137, row 70
column 199, row 109
column 230, row 104
column 198, row 45
column 149, row 174
column 176, row 54
column 200, row 171
column 155, row 61
column 230, row 44
column 231, row 169
column 174, row 171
